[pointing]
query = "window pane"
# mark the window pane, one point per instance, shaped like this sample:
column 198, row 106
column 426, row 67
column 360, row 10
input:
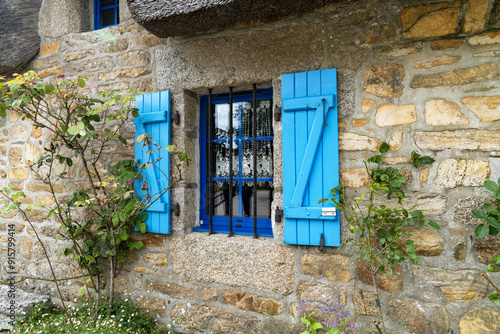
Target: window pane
column 264, row 119
column 105, row 3
column 107, row 17
column 264, row 158
column 246, row 119
column 221, row 123
column 221, row 198
column 264, row 198
column 221, row 159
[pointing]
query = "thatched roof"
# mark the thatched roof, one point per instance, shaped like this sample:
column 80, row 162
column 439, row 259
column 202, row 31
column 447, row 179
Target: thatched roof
column 19, row 40
column 166, row 18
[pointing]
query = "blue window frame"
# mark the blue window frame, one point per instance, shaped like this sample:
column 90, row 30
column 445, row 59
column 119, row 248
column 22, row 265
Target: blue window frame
column 242, row 162
column 107, row 13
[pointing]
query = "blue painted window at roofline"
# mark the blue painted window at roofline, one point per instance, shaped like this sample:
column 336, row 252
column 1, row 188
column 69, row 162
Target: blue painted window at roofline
column 106, row 13
column 310, row 156
column 154, row 119
column 242, row 177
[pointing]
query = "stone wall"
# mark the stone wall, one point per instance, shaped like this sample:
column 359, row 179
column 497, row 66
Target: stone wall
column 419, row 75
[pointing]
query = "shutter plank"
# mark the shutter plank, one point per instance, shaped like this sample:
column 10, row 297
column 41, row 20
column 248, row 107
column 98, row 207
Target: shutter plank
column 164, row 140
column 316, row 226
column 154, row 131
column 288, row 145
column 302, row 131
column 330, row 163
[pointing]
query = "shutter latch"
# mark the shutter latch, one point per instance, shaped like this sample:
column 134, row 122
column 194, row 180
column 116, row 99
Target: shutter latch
column 329, row 212
column 321, row 243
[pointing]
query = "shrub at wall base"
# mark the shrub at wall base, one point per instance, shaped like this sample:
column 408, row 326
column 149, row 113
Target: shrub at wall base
column 103, row 210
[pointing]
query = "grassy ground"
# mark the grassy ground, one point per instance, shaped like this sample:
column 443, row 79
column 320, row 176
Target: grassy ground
column 123, row 317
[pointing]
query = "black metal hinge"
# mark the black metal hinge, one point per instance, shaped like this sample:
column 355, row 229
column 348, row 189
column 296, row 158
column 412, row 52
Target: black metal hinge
column 176, row 209
column 175, row 117
column 278, row 213
column 277, row 113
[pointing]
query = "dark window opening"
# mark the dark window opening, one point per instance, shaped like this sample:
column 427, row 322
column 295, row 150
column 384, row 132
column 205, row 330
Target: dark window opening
column 107, row 13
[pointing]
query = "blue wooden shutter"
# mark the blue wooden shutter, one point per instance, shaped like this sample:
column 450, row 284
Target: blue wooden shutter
column 154, row 119
column 310, row 156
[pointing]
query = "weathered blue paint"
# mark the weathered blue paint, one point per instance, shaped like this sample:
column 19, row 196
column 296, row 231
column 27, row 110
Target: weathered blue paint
column 158, row 106
column 310, row 155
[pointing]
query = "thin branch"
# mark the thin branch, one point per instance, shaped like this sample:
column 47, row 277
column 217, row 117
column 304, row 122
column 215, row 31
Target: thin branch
column 489, row 281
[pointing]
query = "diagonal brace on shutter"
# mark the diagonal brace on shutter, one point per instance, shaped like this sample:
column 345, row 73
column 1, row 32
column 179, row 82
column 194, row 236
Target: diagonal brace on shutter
column 322, row 104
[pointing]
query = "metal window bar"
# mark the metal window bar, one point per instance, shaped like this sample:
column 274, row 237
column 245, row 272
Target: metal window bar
column 254, row 134
column 209, row 163
column 231, row 161
column 214, row 201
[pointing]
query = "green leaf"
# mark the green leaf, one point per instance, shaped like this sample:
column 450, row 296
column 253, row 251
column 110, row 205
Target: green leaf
column 16, row 103
column 73, row 130
column 493, row 222
column 316, row 325
column 14, row 87
column 3, row 111
column 397, row 182
column 384, row 148
column 494, row 265
column 68, row 251
column 434, row 224
column 377, row 159
column 426, row 160
column 480, row 214
column 482, row 231
column 334, row 331
column 81, row 82
column 491, row 186
column 49, row 89
column 135, row 112
column 495, row 298
column 411, row 248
